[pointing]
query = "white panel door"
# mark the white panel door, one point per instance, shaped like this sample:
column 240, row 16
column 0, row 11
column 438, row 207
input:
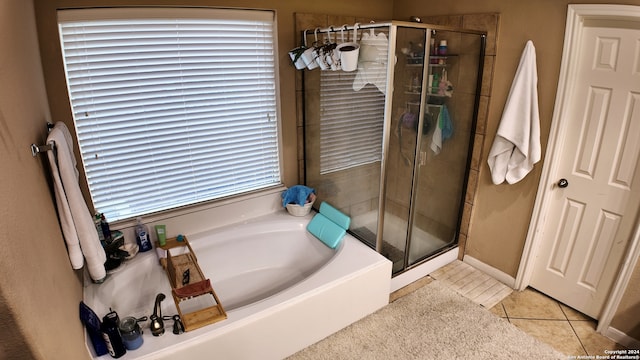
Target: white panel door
column 592, row 214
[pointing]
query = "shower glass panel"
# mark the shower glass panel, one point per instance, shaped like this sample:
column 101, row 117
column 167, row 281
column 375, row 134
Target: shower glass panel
column 441, row 168
column 344, row 123
column 389, row 144
column 405, row 120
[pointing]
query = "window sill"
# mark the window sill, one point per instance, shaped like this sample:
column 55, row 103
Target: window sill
column 208, row 215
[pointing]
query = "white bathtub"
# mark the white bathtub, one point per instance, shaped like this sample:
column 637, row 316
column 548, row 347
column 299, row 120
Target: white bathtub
column 283, row 290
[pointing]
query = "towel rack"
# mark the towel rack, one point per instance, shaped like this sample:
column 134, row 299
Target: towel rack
column 36, row 149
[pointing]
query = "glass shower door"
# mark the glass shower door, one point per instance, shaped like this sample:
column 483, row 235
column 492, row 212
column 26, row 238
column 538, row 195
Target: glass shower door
column 404, row 131
column 444, row 148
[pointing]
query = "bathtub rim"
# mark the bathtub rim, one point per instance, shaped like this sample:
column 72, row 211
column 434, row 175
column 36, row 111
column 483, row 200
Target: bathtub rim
column 280, row 217
column 316, row 283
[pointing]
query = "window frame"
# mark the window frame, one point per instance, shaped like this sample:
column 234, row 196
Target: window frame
column 195, row 12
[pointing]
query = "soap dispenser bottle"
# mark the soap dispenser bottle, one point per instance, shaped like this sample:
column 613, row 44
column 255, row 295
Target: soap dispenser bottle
column 142, row 236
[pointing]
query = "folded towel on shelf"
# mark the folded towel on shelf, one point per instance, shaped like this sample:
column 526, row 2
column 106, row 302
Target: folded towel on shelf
column 78, row 228
column 372, row 62
column 296, row 194
column 516, row 147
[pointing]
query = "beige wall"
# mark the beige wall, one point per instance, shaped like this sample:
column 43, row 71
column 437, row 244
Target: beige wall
column 628, row 313
column 501, row 214
column 39, row 292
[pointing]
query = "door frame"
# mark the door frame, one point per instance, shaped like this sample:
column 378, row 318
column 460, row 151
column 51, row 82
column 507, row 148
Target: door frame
column 576, row 16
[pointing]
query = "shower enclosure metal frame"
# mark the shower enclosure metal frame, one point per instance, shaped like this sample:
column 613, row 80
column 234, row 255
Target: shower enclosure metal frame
column 430, row 30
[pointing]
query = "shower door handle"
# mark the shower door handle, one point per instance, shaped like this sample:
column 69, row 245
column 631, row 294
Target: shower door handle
column 423, row 158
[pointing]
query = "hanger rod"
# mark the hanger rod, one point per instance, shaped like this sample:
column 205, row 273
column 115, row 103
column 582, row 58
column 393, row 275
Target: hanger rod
column 346, row 28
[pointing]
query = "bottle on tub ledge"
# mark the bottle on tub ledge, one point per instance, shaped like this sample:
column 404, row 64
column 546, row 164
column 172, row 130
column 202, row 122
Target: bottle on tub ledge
column 111, row 334
column 106, row 230
column 102, row 227
column 142, row 236
column 161, row 237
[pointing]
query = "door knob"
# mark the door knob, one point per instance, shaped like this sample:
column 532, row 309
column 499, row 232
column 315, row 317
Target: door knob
column 563, row 183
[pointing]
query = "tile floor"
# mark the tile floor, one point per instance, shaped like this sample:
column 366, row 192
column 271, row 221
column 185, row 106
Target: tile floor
column 551, row 322
column 554, row 323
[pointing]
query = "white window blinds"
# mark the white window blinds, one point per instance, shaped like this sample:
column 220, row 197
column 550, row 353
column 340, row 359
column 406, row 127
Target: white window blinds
column 351, row 122
column 172, row 106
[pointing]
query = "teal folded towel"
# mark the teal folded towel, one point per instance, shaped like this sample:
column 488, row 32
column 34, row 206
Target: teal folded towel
column 329, row 225
column 445, row 123
column 326, row 230
column 335, row 215
column 296, row 194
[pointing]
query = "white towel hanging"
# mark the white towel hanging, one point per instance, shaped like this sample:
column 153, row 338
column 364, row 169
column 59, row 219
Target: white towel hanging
column 77, row 224
column 516, row 147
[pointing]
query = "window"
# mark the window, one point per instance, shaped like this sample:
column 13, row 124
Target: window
column 172, row 106
column 350, row 122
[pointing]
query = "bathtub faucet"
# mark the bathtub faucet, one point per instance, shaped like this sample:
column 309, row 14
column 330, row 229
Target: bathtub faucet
column 156, row 325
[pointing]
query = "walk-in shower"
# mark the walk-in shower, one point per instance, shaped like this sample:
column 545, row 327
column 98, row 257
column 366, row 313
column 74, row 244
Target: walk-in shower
column 390, row 143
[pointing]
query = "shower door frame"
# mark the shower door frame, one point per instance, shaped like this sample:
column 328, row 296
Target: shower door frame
column 430, row 30
column 392, row 27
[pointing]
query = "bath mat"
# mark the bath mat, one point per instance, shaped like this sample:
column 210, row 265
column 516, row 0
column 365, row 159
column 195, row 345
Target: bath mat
column 472, row 283
column 434, row 322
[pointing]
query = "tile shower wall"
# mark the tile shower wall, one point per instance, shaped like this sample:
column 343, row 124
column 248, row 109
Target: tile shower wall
column 488, row 23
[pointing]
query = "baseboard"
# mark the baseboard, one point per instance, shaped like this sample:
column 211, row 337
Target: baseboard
column 622, row 338
column 504, row 278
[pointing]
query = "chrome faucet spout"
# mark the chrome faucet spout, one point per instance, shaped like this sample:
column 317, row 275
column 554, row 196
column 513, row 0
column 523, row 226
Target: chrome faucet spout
column 157, row 325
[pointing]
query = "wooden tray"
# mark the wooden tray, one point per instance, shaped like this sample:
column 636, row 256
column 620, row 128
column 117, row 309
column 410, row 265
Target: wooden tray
column 196, row 301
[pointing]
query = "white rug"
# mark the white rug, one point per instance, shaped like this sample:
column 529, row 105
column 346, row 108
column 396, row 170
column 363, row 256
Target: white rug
column 433, row 322
column 472, row 283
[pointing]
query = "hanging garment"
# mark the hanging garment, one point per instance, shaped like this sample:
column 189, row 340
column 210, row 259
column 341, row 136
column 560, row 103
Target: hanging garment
column 78, row 228
column 372, row 61
column 443, row 130
column 516, row 147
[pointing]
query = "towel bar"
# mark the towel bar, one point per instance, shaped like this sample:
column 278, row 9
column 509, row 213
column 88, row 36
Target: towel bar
column 35, row 149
